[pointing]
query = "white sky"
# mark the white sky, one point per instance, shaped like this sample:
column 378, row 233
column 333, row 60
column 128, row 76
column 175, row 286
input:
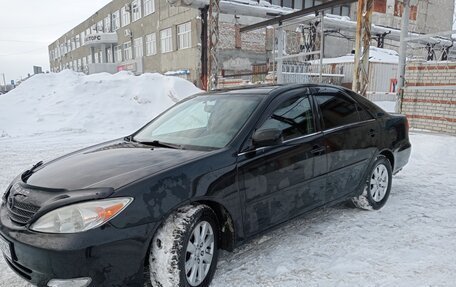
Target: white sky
column 27, row 27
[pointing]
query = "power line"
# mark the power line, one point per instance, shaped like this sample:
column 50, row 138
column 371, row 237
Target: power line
column 21, row 53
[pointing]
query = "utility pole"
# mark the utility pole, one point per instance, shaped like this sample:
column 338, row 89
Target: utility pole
column 359, row 23
column 367, row 25
column 362, row 46
column 402, row 55
column 214, row 13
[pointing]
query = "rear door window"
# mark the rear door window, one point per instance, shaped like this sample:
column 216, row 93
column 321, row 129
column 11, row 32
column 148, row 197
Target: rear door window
column 336, row 108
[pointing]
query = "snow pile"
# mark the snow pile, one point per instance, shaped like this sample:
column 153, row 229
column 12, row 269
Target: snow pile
column 100, row 103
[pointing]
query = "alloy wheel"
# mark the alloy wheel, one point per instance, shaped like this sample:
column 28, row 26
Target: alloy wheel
column 379, row 182
column 199, row 254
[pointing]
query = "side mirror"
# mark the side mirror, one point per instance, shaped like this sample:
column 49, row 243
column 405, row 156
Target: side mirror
column 267, row 137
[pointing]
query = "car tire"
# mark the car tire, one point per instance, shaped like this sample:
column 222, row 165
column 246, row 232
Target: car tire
column 377, row 187
column 184, row 250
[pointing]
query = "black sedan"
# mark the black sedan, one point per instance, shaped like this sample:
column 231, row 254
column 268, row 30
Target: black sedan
column 209, row 173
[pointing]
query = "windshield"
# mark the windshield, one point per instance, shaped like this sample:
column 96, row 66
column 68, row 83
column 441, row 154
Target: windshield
column 205, row 121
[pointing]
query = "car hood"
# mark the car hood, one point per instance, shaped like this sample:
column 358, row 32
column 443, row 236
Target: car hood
column 112, row 164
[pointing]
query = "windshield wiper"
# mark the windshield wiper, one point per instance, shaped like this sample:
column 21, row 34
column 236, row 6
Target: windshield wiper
column 162, row 144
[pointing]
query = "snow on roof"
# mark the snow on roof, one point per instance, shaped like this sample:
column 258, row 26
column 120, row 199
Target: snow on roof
column 70, row 101
column 266, row 10
column 376, row 55
column 240, row 7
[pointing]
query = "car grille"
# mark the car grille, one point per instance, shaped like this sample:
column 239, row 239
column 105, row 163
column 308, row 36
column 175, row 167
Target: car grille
column 20, row 212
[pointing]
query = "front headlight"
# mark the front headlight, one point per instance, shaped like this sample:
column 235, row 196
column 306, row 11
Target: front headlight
column 80, row 217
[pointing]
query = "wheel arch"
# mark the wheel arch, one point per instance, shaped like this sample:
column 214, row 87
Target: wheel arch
column 389, row 155
column 226, row 224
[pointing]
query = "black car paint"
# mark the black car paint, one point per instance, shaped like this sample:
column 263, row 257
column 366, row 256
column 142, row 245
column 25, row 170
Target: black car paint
column 252, row 189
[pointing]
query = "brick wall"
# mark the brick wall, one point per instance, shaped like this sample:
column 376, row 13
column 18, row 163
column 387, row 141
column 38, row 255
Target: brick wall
column 249, row 41
column 430, row 96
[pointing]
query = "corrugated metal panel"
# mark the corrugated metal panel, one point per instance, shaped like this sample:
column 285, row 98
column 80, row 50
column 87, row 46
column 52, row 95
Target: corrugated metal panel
column 380, row 76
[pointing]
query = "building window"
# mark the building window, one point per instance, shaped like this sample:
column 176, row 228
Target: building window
column 184, row 34
column 166, row 37
column 118, row 54
column 99, row 27
column 288, row 3
column 125, row 17
column 136, row 10
column 151, row 44
column 107, row 24
column 108, row 55
column 115, row 21
column 149, row 7
column 138, row 45
column 127, row 51
column 345, row 11
column 398, row 8
column 380, row 6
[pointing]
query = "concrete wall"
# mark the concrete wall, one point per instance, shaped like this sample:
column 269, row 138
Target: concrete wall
column 430, row 96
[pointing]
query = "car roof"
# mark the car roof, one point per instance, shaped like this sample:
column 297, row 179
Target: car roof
column 264, row 90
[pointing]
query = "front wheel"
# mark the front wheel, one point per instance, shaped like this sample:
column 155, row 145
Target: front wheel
column 184, row 250
column 377, row 187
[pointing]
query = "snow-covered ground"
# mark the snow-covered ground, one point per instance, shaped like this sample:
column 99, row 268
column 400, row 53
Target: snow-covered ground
column 410, row 242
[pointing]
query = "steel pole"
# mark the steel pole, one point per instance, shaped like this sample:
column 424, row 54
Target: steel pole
column 402, row 55
column 280, row 46
column 322, row 45
column 4, row 82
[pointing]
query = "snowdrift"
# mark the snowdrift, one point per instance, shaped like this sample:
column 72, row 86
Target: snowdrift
column 101, row 103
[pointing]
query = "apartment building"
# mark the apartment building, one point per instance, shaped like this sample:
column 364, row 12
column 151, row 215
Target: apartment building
column 138, row 36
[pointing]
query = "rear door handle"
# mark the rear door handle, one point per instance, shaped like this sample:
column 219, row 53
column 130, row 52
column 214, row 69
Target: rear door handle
column 372, row 132
column 316, row 149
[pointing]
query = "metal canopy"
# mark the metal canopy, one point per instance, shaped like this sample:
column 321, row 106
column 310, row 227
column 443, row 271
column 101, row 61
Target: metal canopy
column 297, row 14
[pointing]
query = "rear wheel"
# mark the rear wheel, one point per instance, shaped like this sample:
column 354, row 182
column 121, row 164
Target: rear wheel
column 184, row 250
column 377, row 187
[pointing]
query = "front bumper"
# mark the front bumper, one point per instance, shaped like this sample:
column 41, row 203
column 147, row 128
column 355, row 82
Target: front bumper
column 107, row 255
